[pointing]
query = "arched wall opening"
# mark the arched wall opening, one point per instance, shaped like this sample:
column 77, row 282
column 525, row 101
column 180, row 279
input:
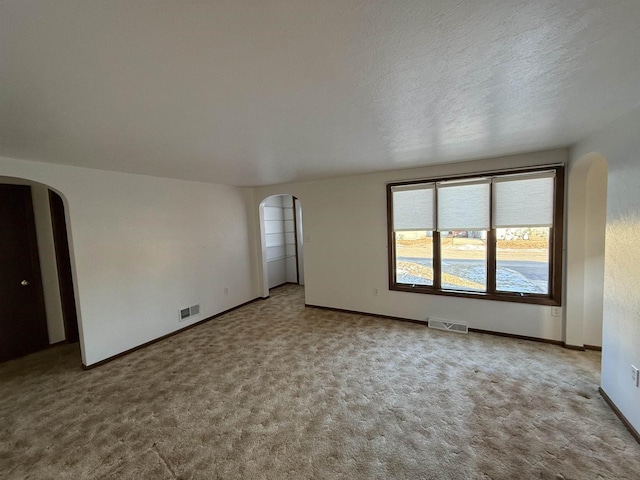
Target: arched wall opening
column 281, row 239
column 587, row 212
column 54, row 256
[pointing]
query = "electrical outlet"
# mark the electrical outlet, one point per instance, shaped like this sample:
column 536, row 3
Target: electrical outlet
column 556, row 311
column 226, row 290
column 375, row 292
column 635, row 376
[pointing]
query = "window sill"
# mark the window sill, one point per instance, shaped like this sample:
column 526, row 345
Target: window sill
column 500, row 297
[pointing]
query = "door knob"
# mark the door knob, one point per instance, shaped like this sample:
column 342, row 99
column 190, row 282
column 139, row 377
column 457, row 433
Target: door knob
column 24, row 283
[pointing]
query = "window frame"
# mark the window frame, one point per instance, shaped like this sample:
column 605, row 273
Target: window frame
column 556, row 238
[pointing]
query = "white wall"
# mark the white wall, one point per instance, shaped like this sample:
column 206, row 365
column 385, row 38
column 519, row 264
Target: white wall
column 619, row 143
column 345, row 232
column 594, row 239
column 143, row 247
column 47, row 255
column 48, row 263
column 585, row 240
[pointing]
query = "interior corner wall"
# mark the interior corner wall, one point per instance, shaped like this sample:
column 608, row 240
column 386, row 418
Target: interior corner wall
column 574, row 264
column 619, row 143
column 345, row 251
column 585, row 242
column 252, row 220
column 144, row 247
column 596, row 208
column 48, row 263
column 300, row 239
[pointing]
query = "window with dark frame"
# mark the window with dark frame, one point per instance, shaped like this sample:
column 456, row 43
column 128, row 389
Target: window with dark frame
column 495, row 235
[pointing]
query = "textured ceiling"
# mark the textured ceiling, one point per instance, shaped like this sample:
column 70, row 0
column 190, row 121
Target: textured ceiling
column 265, row 91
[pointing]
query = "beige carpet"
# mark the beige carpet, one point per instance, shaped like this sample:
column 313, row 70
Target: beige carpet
column 277, row 391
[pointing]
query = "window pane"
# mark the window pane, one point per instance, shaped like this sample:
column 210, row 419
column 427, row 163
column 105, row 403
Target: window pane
column 464, row 204
column 413, row 207
column 523, row 200
column 522, row 260
column 464, row 260
column 414, row 257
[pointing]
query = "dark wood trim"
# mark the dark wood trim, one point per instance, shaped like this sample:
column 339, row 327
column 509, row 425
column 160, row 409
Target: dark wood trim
column 63, row 264
column 36, row 281
column 425, row 322
column 391, row 240
column 436, row 246
column 375, row 315
column 558, row 238
column 634, row 433
column 295, row 238
column 506, row 171
column 558, row 343
column 436, row 261
column 28, row 329
column 555, row 247
column 164, row 337
column 491, row 247
column 593, row 347
column 499, row 297
column 518, row 337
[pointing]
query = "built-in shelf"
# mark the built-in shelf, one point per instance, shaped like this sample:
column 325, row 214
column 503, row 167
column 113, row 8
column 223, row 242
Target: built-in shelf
column 280, row 258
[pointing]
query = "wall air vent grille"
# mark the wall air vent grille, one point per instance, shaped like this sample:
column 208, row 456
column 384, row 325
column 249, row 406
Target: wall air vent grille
column 189, row 312
column 440, row 324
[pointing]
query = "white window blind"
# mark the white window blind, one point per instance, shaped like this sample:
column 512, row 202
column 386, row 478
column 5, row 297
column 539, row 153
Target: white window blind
column 523, row 200
column 413, row 207
column 464, row 204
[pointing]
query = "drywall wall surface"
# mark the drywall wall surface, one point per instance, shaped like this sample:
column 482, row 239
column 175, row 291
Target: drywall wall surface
column 47, row 256
column 253, row 221
column 619, row 143
column 596, row 219
column 300, row 240
column 574, row 260
column 345, row 249
column 144, row 247
column 48, row 263
column 585, row 239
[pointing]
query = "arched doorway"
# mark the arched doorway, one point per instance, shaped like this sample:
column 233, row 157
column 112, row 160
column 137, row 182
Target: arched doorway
column 37, row 269
column 281, row 241
column 587, row 214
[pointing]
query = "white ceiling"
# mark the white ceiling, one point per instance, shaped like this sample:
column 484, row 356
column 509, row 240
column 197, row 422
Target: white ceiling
column 258, row 92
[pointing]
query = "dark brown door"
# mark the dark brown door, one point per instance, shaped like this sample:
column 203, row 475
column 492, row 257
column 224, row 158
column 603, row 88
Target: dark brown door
column 63, row 260
column 23, row 324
